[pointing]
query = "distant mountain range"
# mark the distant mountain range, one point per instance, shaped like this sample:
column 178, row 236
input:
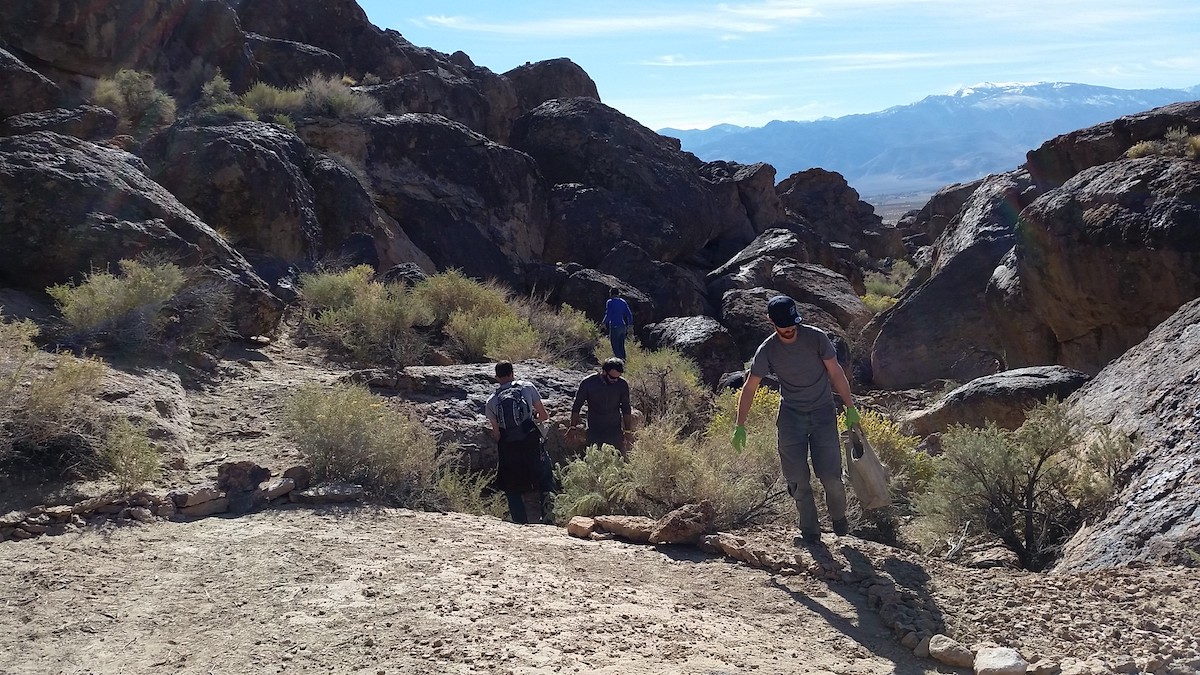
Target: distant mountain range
column 934, row 142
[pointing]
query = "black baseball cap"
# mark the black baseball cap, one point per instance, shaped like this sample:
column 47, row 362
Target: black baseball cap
column 783, row 312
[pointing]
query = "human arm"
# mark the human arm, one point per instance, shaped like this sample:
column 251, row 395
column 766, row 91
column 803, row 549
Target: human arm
column 628, row 315
column 746, row 398
column 539, row 410
column 492, row 418
column 837, row 377
column 580, row 398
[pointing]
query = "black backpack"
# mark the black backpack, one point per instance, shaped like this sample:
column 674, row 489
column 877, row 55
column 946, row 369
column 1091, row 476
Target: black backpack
column 513, row 413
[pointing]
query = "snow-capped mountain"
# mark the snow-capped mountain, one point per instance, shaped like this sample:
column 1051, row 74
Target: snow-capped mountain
column 922, row 146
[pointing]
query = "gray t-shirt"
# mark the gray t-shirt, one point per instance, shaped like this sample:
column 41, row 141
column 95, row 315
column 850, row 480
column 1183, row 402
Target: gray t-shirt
column 799, row 367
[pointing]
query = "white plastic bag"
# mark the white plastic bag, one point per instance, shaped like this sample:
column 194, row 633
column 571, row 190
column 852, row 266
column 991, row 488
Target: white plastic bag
column 867, row 475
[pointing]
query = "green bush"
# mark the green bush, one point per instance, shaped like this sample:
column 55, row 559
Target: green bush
column 217, row 91
column 452, row 291
column 105, row 299
column 128, row 455
column 665, row 385
column 467, row 492
column 1020, row 486
column 595, row 484
column 568, row 337
column 140, row 106
column 878, row 303
column 348, row 434
column 284, row 121
column 330, row 96
column 372, row 321
column 502, row 337
column 1176, row 142
column 265, row 99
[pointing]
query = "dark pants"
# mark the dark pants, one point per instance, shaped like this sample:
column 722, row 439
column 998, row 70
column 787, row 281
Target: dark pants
column 543, row 486
column 805, row 435
column 616, row 337
column 597, row 436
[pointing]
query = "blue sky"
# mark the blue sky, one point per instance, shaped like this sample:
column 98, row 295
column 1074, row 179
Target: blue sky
column 695, row 64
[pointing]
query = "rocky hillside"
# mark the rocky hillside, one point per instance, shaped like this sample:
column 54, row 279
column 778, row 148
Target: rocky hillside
column 529, row 178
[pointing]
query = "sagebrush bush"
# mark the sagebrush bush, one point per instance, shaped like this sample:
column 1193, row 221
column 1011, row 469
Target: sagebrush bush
column 568, row 337
column 284, row 121
column 265, row 99
column 1018, row 485
column 105, row 299
column 452, row 291
column 1176, row 142
column 595, row 484
column 128, row 455
column 466, row 492
column 140, row 106
column 217, row 91
column 665, row 385
column 372, row 321
column 878, row 303
column 348, row 434
column 329, row 96
column 501, row 337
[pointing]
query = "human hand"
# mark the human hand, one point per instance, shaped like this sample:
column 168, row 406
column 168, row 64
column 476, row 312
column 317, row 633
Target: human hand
column 852, row 417
column 739, row 437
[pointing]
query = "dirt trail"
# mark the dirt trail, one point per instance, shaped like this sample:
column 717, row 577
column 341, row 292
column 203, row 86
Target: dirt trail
column 397, row 591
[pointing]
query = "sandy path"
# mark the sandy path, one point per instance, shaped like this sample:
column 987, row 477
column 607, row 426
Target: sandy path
column 395, row 591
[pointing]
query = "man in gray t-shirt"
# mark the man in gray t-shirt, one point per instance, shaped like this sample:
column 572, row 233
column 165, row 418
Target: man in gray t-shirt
column 804, row 362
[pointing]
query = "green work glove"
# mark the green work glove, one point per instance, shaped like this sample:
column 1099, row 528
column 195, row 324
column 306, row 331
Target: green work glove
column 739, row 437
column 852, row 417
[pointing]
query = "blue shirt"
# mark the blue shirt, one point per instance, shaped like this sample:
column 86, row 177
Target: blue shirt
column 616, row 312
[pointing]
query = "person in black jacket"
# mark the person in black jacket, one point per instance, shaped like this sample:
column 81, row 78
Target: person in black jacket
column 513, row 411
column 606, row 395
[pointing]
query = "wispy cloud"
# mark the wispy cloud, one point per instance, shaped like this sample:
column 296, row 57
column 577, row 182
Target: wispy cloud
column 860, row 60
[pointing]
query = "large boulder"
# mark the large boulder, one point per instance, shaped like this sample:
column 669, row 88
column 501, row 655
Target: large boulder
column 285, row 63
column 778, row 259
column 587, row 290
column 1111, row 254
column 465, row 201
column 1002, row 399
column 931, row 220
column 1060, row 158
column 340, row 27
column 675, row 290
column 1149, row 395
column 95, row 206
column 833, row 208
column 942, row 328
column 88, row 122
column 456, row 97
column 663, row 205
column 745, row 194
column 25, row 89
column 182, row 42
column 254, row 189
column 536, row 83
column 699, row 338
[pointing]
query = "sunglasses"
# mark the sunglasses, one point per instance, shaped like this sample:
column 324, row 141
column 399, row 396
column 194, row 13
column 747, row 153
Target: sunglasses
column 613, row 373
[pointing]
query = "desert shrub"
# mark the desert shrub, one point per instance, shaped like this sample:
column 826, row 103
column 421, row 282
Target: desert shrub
column 140, row 106
column 284, row 121
column 496, row 337
column 348, row 434
column 228, row 112
column 1096, row 470
column 265, row 99
column 372, row 321
column 370, row 79
column 128, row 455
column 878, row 303
column 326, row 96
column 595, row 484
column 1176, row 142
column 16, row 354
column 665, row 385
column 217, row 91
column 468, row 492
column 149, row 305
column 567, row 336
column 1018, row 485
column 452, row 291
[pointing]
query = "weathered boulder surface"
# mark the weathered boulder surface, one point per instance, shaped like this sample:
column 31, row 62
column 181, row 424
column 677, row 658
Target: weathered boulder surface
column 1148, row 394
column 931, row 220
column 285, row 63
column 536, row 83
column 701, row 339
column 942, row 328
column 465, row 201
column 181, row 42
column 88, row 122
column 1061, row 157
column 833, row 208
column 674, row 289
column 685, row 525
column 1002, row 398
column 25, row 90
column 94, row 207
column 587, row 290
column 456, row 97
column 660, row 203
column 254, row 190
column 1111, row 254
column 779, row 259
column 745, row 196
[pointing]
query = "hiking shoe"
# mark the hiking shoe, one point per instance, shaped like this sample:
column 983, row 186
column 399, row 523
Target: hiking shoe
column 807, row 539
column 841, row 527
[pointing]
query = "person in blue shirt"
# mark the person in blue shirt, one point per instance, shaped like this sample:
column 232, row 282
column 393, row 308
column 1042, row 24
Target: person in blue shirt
column 617, row 320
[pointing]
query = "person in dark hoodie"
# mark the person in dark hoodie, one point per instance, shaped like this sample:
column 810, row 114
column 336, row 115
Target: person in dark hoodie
column 606, row 395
